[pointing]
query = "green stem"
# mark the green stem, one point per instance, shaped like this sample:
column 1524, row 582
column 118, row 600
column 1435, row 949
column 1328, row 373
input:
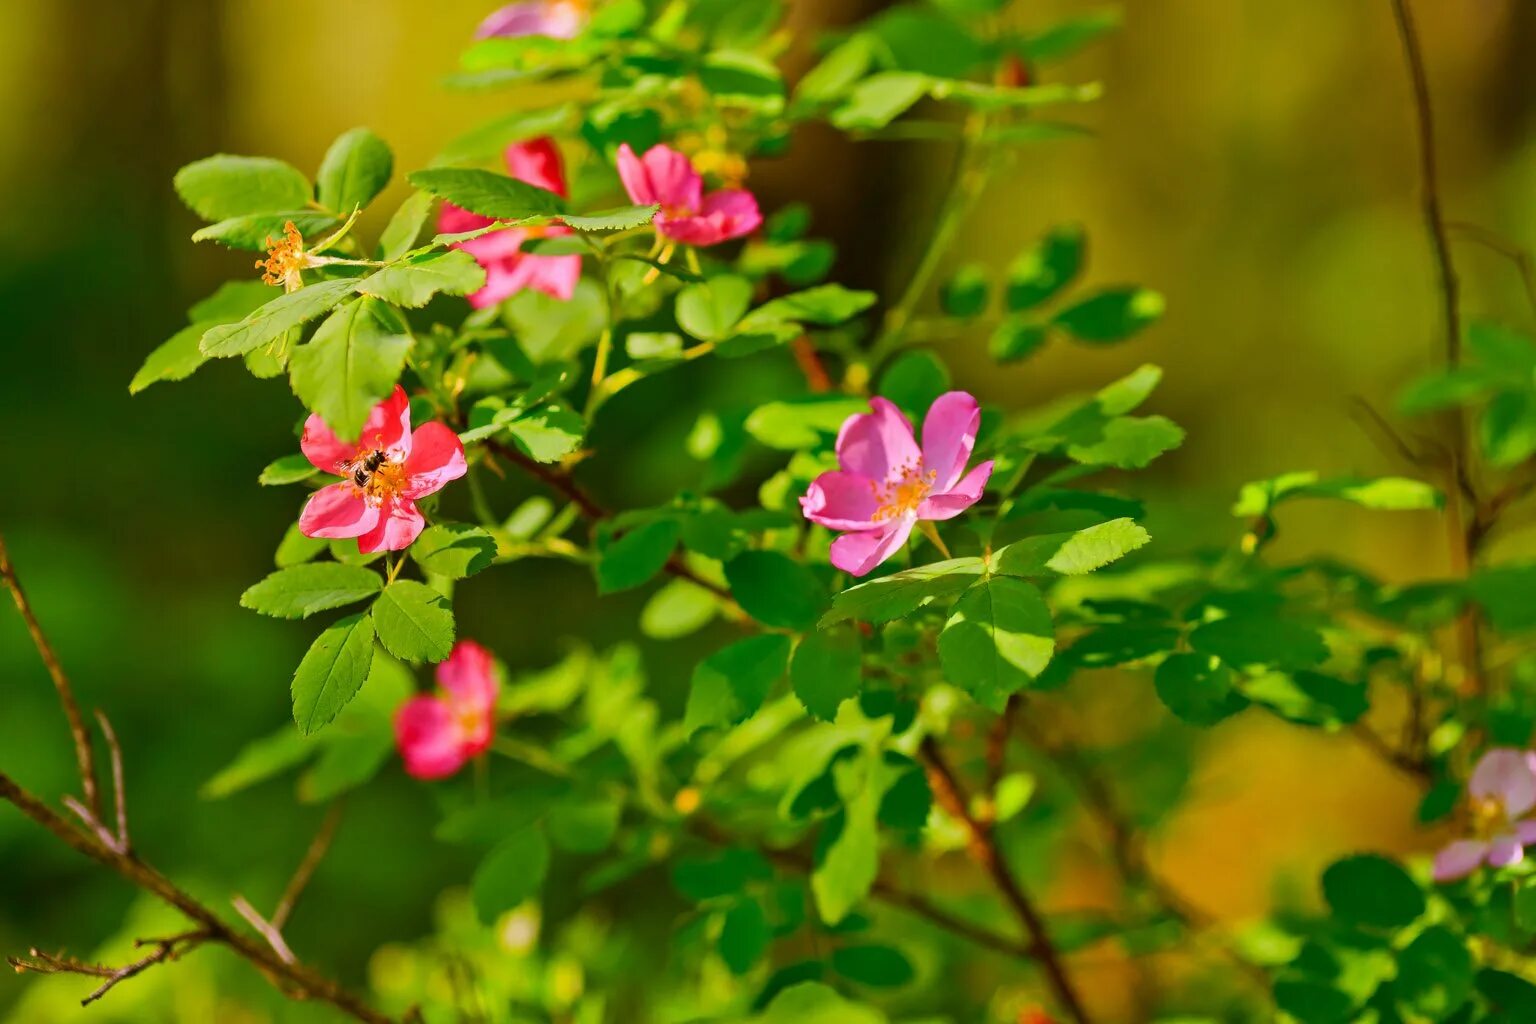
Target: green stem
column 604, row 340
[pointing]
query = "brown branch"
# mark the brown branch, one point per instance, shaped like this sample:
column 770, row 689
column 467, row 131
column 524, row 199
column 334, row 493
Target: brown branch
column 119, row 796
column 165, row 949
column 982, row 845
column 82, row 738
column 810, row 364
column 306, row 869
column 266, row 929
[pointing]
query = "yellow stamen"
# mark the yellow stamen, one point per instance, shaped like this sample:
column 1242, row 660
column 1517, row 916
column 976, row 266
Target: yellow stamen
column 285, row 259
column 902, row 496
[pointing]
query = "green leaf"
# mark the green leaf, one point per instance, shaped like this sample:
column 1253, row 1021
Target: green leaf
column 891, row 597
column 1067, row 37
column 404, row 227
column 914, row 380
column 414, row 282
column 880, row 99
column 775, row 589
column 825, row 305
column 637, row 556
column 258, row 761
column 1111, row 315
column 744, row 936
column 221, row 187
column 710, row 309
column 997, row 640
column 1387, row 493
column 351, row 364
column 1434, row 973
column 621, row 219
column 919, row 39
column 678, row 608
column 414, row 621
column 347, row 760
column 727, row 873
column 511, row 873
column 290, row 469
column 488, row 194
column 1247, row 639
column 1071, row 554
column 295, row 548
column 875, row 966
column 257, row 231
column 355, row 170
column 731, row 684
column 653, row 345
column 1505, row 594
column 1043, row 270
column 1371, row 890
column 1197, row 689
column 802, row 423
column 274, row 319
column 1308, row 698
column 300, row 591
column 332, row 671
column 812, row 1003
column 175, row 359
column 455, row 550
column 1507, row 429
column 1016, row 338
column 1129, row 442
column 836, row 73
column 548, row 433
column 826, row 670
column 965, row 294
column 847, row 871
column 584, row 824
column 1509, row 993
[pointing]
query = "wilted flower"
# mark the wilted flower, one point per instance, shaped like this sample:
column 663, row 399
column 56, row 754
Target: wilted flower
column 383, row 473
column 1501, row 790
column 687, row 215
column 887, row 484
column 508, row 270
column 437, row 733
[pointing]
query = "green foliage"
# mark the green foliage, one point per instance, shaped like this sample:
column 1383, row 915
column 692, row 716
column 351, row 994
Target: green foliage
column 222, row 187
column 351, row 363
column 414, row 621
column 332, row 671
column 998, row 639
column 354, row 171
column 300, row 591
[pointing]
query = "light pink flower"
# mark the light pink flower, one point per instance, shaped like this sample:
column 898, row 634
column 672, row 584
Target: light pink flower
column 557, row 19
column 1501, row 790
column 508, row 270
column 665, row 176
column 437, row 733
column 383, row 473
column 887, row 483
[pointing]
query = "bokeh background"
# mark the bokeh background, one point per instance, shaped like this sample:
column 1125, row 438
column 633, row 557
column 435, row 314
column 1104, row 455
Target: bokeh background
column 1254, row 161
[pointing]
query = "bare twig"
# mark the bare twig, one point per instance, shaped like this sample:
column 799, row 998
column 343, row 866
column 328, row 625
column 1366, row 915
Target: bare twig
column 983, row 848
column 266, row 929
column 119, row 796
column 165, row 949
column 306, row 869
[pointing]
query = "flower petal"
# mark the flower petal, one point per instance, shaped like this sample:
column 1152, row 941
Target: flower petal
column 428, row 738
column 877, row 444
column 1525, row 831
column 469, row 676
column 858, row 553
column 389, row 425
column 453, row 219
column 841, row 501
column 437, row 457
column 337, row 511
column 662, row 175
column 949, row 434
column 536, row 18
column 323, row 448
column 397, row 529
column 965, row 494
column 537, row 161
column 1504, row 774
column 724, row 215
column 1459, row 859
column 1505, row 851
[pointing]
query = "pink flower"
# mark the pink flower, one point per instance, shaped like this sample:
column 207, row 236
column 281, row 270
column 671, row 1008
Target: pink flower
column 383, row 472
column 437, row 733
column 665, row 176
column 557, row 19
column 1502, row 788
column 508, row 270
column 886, row 483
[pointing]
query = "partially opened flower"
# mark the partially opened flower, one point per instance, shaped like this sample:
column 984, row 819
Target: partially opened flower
column 557, row 19
column 437, row 733
column 687, row 215
column 1502, row 789
column 508, row 269
column 888, row 484
column 383, row 473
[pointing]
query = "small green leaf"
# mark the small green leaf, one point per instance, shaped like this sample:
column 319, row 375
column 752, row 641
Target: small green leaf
column 621, row 219
column 414, row 621
column 637, row 556
column 1042, row 271
column 1197, row 689
column 837, row 72
column 175, row 359
column 488, row 194
column 258, row 761
column 510, row 873
column 1129, row 442
column 584, row 824
column 274, row 319
column 998, row 639
column 891, row 597
column 879, row 99
column 1371, row 890
column 744, row 936
column 455, row 550
column 404, row 227
column 355, row 170
column 221, row 187
column 1071, row 554
column 1016, row 338
column 802, row 423
column 677, row 609
column 300, row 591
column 827, row 670
column 846, row 872
column 775, row 589
column 1111, row 315
column 414, row 282
column 548, row 433
column 710, row 309
column 825, row 306
column 351, row 364
column 653, row 345
column 965, row 294
column 290, row 469
column 332, row 671
column 731, row 684
column 727, row 873
column 1247, row 639
column 914, row 380
column 257, row 231
column 875, row 966
column 1508, row 993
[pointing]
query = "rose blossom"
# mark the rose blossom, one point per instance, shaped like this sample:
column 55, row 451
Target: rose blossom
column 437, row 733
column 1502, row 788
column 687, row 215
column 557, row 19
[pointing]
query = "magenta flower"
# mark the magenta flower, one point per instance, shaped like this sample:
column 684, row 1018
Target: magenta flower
column 509, row 270
column 687, row 215
column 887, row 484
column 1502, row 788
column 557, row 19
column 383, row 473
column 437, row 733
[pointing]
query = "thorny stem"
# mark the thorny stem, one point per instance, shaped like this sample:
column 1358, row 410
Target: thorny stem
column 983, row 848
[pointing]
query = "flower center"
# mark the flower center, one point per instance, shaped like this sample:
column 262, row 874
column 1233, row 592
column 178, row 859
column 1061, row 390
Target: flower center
column 470, row 719
column 375, row 476
column 900, row 497
column 285, row 258
column 1489, row 818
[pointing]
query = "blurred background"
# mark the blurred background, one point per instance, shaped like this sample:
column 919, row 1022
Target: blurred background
column 1255, row 162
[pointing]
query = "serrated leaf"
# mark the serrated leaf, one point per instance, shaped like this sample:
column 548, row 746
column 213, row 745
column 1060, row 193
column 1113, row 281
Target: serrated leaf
column 1071, row 554
column 455, row 550
column 548, row 433
column 730, row 685
column 412, row 283
column 300, row 591
column 221, row 187
column 487, row 193
column 1129, row 442
column 414, row 621
column 404, row 227
column 891, row 597
column 621, row 219
column 257, row 231
column 637, row 556
column 775, row 589
column 826, row 670
column 332, row 671
column 351, row 364
column 825, row 305
column 175, row 359
column 272, row 320
column 999, row 637
column 355, row 170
